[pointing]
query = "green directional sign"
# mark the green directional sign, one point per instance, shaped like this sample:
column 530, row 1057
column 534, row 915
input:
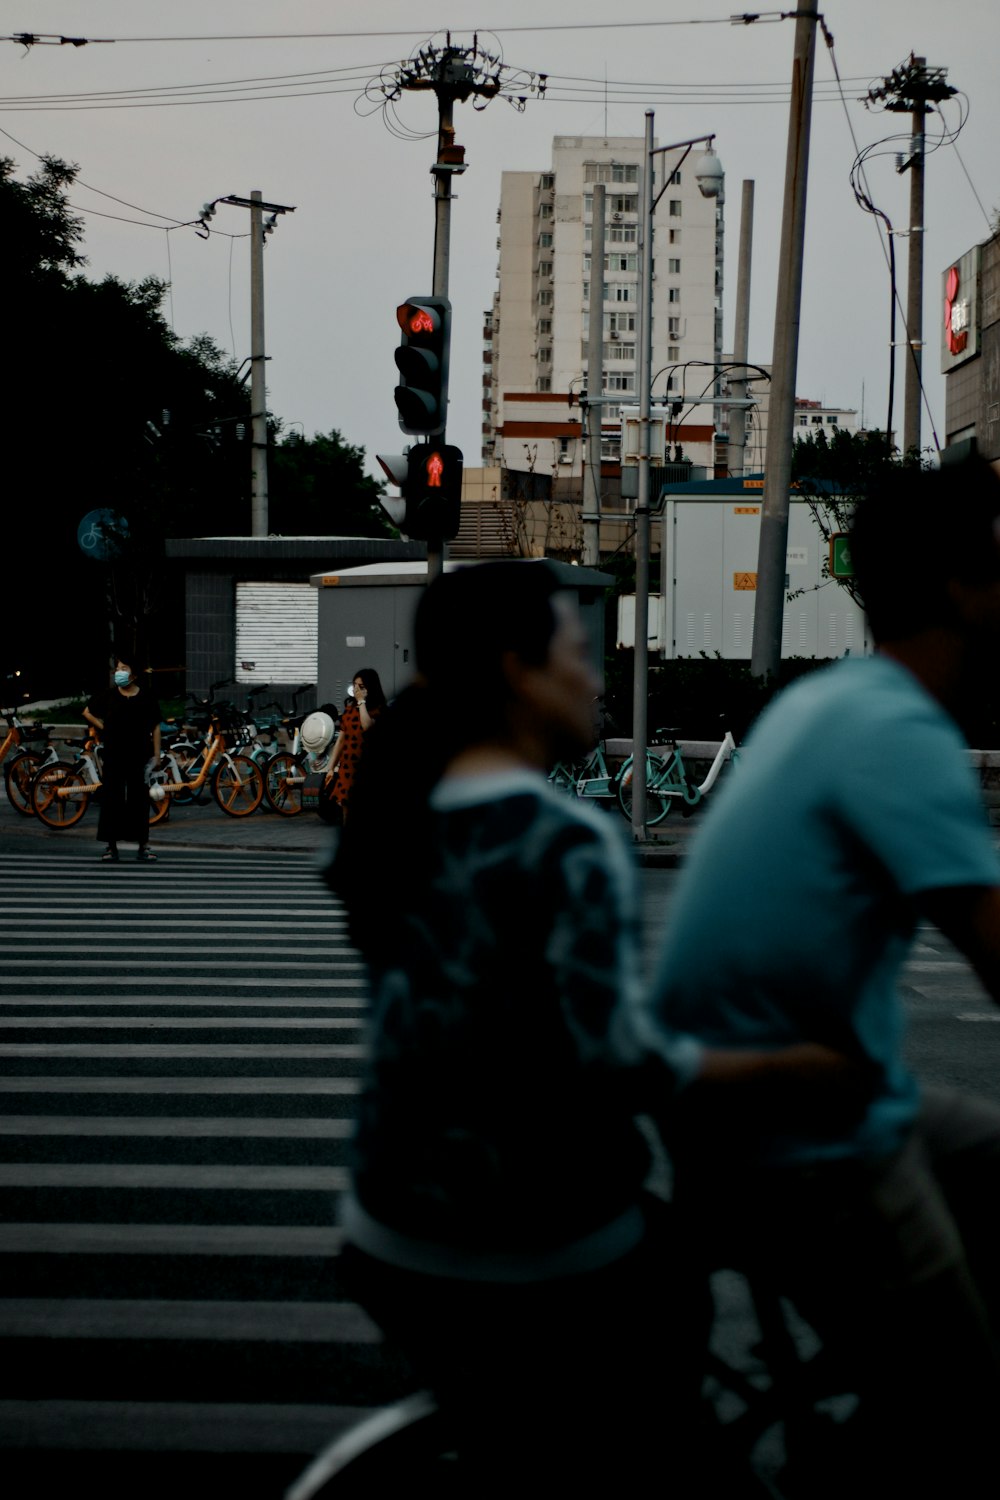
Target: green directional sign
column 840, row 556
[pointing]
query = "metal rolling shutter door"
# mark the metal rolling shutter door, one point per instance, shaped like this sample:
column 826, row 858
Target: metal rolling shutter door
column 276, row 631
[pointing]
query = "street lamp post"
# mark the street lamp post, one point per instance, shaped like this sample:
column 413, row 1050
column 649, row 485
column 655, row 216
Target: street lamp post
column 709, row 176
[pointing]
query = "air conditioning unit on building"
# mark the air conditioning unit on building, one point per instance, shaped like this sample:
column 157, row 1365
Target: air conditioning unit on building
column 616, row 218
column 612, row 334
column 564, row 458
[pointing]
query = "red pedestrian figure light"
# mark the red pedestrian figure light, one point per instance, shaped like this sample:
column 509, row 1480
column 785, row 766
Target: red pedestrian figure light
column 435, row 468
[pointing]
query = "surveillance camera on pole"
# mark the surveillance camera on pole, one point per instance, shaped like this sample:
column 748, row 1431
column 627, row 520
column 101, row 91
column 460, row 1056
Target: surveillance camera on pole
column 708, row 174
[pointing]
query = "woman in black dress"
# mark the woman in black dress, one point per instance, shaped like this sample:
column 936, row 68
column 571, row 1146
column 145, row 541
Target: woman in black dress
column 128, row 717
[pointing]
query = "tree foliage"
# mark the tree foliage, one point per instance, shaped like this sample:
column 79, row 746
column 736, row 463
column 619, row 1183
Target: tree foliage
column 108, row 409
column 833, row 473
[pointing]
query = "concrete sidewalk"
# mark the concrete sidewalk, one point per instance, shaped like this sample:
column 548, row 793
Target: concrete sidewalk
column 204, row 826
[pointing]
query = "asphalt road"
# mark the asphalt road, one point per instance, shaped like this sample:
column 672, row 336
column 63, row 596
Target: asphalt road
column 179, row 1056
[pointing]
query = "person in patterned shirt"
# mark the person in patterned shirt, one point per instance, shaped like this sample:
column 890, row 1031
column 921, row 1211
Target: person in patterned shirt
column 497, row 1226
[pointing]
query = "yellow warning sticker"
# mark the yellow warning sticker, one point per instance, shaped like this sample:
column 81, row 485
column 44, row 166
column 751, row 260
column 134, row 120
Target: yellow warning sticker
column 745, row 582
column 746, row 510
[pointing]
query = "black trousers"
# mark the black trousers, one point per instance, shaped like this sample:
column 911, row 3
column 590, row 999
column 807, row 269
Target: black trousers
column 124, row 801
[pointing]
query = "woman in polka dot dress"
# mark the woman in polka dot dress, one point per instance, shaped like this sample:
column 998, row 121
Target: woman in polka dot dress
column 358, row 717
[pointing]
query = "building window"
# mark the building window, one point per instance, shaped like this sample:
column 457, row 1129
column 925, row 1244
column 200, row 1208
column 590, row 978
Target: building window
column 586, row 291
column 832, row 421
column 619, row 204
column 619, row 382
column 624, row 291
column 674, row 236
column 675, row 179
column 620, row 260
column 609, row 171
column 619, row 352
column 545, row 356
column 545, row 298
column 544, row 325
column 544, row 382
column 621, row 322
column 626, row 234
column 547, row 180
column 674, row 294
column 675, row 208
column 545, row 268
column 674, row 266
column 673, row 351
column 545, row 210
column 674, row 327
column 545, row 240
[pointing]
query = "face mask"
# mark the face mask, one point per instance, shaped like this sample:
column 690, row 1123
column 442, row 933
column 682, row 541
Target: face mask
column 122, row 679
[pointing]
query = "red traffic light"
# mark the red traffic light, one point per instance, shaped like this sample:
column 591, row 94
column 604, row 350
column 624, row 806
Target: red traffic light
column 414, row 319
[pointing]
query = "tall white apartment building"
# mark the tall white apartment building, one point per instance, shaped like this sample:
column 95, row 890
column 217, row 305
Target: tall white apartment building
column 536, row 334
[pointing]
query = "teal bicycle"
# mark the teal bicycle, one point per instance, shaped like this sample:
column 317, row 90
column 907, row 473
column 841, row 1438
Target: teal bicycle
column 667, row 778
column 589, row 777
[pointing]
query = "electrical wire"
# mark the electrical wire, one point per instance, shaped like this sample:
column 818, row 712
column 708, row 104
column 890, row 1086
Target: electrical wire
column 30, row 39
column 358, row 72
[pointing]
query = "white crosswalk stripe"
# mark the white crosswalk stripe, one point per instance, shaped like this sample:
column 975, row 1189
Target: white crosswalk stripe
column 180, row 1057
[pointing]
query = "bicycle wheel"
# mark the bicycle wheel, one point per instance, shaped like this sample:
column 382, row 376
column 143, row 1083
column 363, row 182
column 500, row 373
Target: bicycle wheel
column 284, row 778
column 17, row 778
column 238, row 786
column 57, row 811
column 657, row 804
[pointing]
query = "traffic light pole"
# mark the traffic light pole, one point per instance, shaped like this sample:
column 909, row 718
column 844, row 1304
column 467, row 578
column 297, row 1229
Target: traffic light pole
column 442, row 169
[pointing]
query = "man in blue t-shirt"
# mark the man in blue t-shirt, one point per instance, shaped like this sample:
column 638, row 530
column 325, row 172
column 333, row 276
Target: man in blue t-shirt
column 853, row 814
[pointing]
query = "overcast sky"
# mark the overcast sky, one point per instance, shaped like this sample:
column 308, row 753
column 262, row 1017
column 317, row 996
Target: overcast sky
column 361, row 237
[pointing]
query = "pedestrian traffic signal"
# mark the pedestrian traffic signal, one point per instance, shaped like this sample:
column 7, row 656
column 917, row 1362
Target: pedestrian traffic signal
column 430, row 478
column 422, row 361
column 433, row 492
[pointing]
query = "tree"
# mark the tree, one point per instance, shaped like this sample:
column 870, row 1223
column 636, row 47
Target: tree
column 108, row 410
column 318, row 487
column 834, row 472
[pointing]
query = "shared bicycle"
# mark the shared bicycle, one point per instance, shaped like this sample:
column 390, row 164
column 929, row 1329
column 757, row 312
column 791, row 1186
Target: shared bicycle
column 668, row 781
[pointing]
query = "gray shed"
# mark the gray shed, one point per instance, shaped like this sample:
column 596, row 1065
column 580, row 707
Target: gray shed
column 365, row 619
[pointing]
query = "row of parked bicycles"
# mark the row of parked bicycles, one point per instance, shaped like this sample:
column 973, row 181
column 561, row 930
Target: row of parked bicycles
column 239, row 757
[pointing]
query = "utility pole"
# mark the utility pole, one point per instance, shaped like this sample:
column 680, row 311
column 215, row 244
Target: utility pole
column 911, row 89
column 454, row 74
column 259, row 523
column 709, row 177
column 259, row 230
column 766, row 651
column 736, row 447
column 595, row 387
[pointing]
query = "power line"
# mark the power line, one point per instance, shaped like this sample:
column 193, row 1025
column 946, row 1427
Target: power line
column 172, row 222
column 362, row 70
column 52, row 39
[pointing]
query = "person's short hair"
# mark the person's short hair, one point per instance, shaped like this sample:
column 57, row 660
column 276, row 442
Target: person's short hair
column 917, row 531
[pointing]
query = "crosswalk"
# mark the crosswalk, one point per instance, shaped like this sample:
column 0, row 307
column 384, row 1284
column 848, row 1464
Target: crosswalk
column 180, row 1049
